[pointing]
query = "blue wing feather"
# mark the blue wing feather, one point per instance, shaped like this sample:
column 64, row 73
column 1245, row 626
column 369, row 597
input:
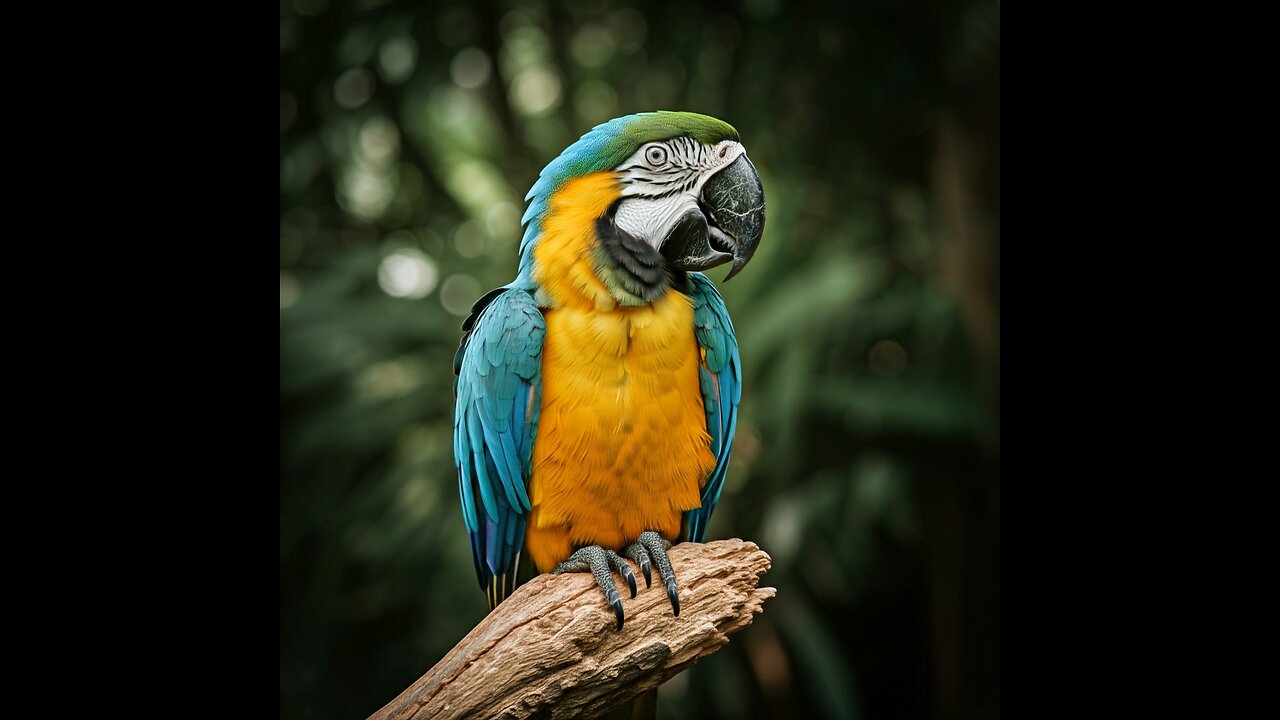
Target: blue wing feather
column 721, row 382
column 499, row 367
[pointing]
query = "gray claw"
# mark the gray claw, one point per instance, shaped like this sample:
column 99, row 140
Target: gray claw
column 656, row 547
column 623, row 569
column 636, row 552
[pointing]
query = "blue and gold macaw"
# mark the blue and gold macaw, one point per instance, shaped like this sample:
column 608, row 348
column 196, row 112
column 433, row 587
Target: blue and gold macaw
column 597, row 393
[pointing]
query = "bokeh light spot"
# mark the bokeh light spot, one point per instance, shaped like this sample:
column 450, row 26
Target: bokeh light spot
column 353, row 88
column 470, row 68
column 408, row 273
column 525, row 47
column 782, row 528
column 397, row 57
column 365, row 191
column 468, row 240
column 887, row 358
column 502, row 220
column 379, row 139
column 458, row 293
column 536, row 91
column 370, row 179
column 592, row 46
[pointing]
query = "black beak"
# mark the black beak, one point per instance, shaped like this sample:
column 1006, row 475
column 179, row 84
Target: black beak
column 734, row 199
column 728, row 227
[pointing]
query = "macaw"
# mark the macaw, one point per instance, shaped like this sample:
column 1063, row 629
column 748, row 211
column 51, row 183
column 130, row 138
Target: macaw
column 597, row 393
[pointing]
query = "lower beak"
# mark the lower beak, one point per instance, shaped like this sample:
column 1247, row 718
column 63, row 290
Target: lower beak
column 728, row 227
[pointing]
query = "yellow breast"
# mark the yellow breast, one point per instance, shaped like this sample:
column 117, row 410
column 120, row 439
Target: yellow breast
column 622, row 445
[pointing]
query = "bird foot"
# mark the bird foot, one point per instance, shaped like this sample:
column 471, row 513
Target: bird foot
column 599, row 562
column 649, row 549
column 651, row 545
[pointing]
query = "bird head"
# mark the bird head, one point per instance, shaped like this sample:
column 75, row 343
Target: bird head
column 685, row 187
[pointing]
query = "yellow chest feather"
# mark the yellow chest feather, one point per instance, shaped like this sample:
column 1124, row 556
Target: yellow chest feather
column 622, row 445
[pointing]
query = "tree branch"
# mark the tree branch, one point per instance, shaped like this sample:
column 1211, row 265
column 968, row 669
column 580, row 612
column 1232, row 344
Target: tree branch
column 550, row 649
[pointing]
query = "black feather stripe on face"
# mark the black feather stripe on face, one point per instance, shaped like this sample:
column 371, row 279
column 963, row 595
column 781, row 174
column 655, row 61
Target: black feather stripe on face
column 633, row 270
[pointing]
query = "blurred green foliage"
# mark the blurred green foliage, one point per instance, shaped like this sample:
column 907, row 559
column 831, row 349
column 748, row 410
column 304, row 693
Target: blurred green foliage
column 867, row 460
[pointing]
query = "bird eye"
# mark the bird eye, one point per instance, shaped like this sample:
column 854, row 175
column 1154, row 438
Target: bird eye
column 656, row 155
column 724, row 150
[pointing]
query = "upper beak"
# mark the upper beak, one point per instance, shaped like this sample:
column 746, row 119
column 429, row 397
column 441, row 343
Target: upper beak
column 734, row 202
column 729, row 225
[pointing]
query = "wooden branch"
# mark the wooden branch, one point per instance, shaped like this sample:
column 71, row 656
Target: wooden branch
column 551, row 650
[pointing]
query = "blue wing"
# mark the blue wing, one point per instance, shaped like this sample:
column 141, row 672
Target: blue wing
column 721, row 376
column 499, row 388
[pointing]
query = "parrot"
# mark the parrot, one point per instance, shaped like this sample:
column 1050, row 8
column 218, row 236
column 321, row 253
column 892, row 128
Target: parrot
column 597, row 394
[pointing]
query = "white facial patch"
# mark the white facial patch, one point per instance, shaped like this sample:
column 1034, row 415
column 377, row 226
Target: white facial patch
column 662, row 181
column 650, row 219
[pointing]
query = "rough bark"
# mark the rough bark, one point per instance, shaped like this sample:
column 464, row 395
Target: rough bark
column 550, row 650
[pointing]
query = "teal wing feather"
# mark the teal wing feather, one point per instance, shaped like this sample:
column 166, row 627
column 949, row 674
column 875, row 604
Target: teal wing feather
column 721, row 379
column 498, row 388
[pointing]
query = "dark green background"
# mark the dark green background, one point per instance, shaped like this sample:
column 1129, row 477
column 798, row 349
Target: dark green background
column 867, row 459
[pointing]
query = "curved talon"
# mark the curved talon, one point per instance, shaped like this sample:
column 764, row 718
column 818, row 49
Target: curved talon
column 636, row 552
column 617, row 610
column 623, row 569
column 656, row 547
